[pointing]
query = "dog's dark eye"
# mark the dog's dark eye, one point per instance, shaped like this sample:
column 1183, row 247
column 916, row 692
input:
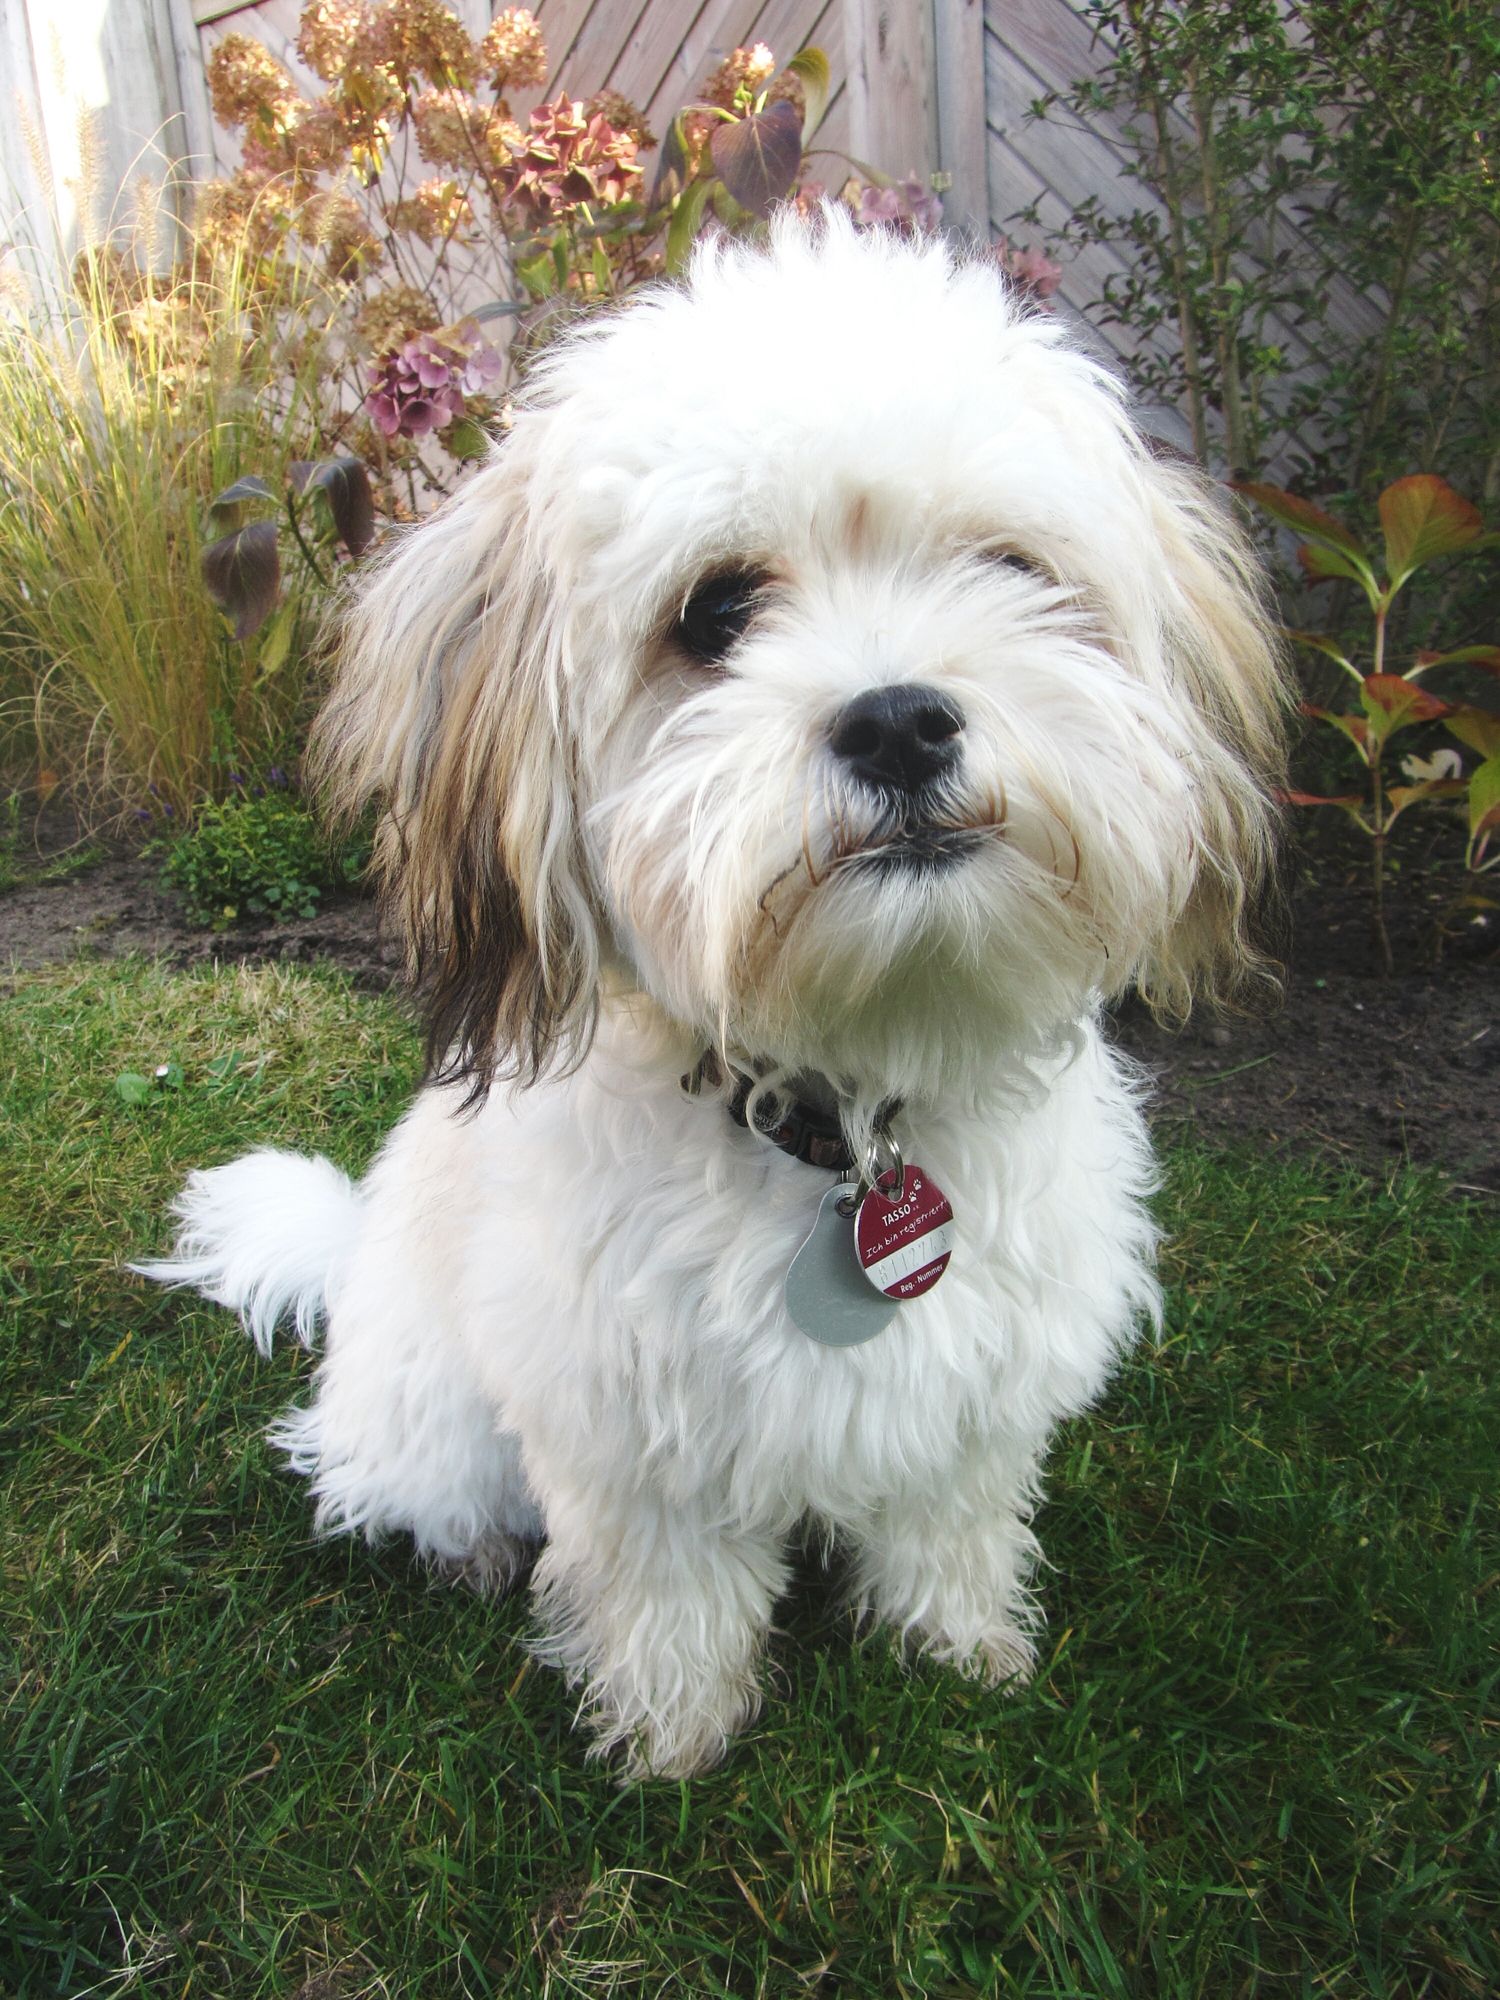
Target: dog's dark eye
column 1012, row 559
column 716, row 615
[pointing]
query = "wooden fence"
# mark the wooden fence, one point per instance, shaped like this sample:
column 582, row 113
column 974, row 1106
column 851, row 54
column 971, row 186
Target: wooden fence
column 919, row 85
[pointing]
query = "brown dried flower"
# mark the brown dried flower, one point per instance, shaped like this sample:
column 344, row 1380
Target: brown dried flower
column 623, row 115
column 434, row 212
column 415, row 40
column 244, row 212
column 748, row 70
column 455, row 130
column 513, row 55
column 336, row 223
column 247, row 86
column 389, row 318
column 330, row 33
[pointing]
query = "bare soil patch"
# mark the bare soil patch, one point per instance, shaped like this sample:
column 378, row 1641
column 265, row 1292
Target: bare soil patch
column 1373, row 1070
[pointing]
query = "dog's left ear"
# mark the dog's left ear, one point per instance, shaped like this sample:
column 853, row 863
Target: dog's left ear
column 1225, row 657
column 447, row 711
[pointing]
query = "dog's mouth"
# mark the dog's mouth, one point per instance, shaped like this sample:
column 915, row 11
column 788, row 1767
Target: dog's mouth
column 919, row 849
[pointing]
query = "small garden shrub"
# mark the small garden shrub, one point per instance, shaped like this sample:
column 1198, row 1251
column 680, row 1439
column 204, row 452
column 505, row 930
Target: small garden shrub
column 259, row 854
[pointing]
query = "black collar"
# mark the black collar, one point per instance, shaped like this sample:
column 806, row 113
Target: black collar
column 808, row 1132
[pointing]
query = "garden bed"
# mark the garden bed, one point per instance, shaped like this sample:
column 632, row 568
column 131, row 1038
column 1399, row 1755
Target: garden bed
column 1371, row 1069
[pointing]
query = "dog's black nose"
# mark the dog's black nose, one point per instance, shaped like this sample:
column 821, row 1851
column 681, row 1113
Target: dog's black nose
column 898, row 739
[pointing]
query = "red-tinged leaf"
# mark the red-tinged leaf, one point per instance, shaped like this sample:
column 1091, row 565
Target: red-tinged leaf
column 1294, row 512
column 1484, row 798
column 1487, row 657
column 811, row 69
column 1476, row 727
column 345, row 485
column 242, row 572
column 1399, row 700
column 759, row 157
column 1399, row 797
column 1346, row 802
column 1424, row 518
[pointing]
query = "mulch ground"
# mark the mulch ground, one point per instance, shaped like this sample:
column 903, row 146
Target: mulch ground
column 1373, row 1070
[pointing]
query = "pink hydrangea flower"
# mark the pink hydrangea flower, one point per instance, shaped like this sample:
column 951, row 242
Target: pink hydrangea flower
column 420, row 388
column 1031, row 269
column 909, row 205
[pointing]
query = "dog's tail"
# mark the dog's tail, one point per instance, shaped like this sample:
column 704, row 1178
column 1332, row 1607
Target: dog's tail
column 265, row 1236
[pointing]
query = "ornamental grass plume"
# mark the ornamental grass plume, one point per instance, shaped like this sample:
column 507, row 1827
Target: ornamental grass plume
column 125, row 406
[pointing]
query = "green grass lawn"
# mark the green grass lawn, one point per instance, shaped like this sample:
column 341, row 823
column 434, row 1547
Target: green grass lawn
column 240, row 1763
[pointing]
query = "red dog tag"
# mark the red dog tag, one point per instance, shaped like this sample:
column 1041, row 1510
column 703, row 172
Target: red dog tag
column 904, row 1241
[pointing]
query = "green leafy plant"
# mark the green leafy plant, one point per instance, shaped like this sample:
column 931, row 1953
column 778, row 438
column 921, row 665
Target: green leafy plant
column 260, row 853
column 1312, row 266
column 1422, row 520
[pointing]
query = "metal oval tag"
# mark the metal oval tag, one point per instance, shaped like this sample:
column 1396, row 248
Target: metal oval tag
column 828, row 1295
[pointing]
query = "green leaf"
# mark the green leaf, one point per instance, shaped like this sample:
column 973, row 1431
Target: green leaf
column 1320, row 643
column 276, row 642
column 1323, row 565
column 604, row 277
column 1484, row 798
column 1424, row 518
column 759, row 157
column 466, row 438
column 671, row 166
column 682, row 230
column 537, row 275
column 242, row 572
column 811, row 68
column 251, row 487
column 1475, row 727
column 560, row 263
column 1399, row 797
column 1355, row 727
column 345, row 485
column 133, row 1088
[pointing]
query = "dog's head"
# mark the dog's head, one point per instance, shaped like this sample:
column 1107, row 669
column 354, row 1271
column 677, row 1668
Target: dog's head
column 823, row 653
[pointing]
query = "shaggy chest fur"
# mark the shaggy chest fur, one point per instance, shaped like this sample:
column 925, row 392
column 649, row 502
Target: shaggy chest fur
column 630, row 1301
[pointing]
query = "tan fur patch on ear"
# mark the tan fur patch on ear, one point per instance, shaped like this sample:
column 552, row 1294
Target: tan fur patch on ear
column 1225, row 647
column 440, row 713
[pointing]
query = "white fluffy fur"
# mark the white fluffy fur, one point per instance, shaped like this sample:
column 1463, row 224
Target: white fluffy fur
column 561, row 1315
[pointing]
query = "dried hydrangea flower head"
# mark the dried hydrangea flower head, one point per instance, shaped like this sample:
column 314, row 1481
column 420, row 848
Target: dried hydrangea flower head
column 513, row 55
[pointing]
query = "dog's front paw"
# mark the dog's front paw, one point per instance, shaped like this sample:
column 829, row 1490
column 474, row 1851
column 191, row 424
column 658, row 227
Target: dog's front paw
column 496, row 1564
column 1004, row 1658
column 676, row 1746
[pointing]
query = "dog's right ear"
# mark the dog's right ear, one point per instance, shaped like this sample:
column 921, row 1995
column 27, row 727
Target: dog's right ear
column 447, row 712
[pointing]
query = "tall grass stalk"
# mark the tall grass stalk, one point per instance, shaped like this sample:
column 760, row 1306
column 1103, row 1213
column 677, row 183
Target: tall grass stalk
column 124, row 408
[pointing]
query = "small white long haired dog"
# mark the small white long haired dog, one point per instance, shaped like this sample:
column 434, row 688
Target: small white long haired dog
column 821, row 694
